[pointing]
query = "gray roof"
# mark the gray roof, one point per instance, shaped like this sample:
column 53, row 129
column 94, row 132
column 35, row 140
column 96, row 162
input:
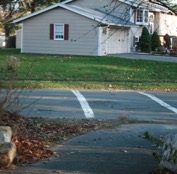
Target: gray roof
column 146, row 4
column 94, row 14
column 104, row 17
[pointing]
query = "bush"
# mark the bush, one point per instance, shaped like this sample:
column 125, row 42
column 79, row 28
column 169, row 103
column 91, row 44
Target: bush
column 12, row 63
column 167, row 41
column 161, row 50
column 155, row 41
column 145, row 41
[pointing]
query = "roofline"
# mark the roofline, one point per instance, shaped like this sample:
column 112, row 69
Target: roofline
column 66, row 1
column 58, row 5
column 40, row 11
column 134, row 4
column 35, row 13
column 62, row 5
column 85, row 14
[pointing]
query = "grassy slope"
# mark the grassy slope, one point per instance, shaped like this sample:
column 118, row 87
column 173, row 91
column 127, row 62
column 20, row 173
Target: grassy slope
column 91, row 72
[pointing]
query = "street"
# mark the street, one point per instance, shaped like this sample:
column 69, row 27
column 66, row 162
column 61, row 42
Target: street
column 134, row 105
column 122, row 150
column 146, row 56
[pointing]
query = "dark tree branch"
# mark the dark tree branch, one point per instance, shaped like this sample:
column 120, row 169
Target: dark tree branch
column 159, row 2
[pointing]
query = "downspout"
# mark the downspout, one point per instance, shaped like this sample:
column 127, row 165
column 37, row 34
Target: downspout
column 99, row 41
column 22, row 39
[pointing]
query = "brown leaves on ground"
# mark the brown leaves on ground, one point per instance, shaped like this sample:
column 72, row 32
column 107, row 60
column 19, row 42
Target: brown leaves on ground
column 33, row 135
column 164, row 171
column 30, row 150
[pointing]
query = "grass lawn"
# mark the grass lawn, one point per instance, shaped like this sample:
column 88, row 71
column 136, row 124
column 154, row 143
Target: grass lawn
column 54, row 71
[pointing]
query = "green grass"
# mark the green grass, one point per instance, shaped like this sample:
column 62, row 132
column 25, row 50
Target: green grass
column 43, row 71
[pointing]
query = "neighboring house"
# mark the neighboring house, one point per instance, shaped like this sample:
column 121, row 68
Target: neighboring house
column 18, row 38
column 93, row 27
column 2, row 39
column 173, row 2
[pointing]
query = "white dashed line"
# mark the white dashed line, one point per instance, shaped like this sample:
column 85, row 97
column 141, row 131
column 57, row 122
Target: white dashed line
column 160, row 102
column 84, row 104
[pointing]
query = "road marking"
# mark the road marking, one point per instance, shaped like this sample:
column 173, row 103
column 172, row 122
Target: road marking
column 160, row 102
column 84, row 104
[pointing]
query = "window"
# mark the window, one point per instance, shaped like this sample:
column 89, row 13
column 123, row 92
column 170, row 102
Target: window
column 59, row 31
column 142, row 17
column 139, row 15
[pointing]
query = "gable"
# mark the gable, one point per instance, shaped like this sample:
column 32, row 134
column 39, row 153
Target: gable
column 100, row 15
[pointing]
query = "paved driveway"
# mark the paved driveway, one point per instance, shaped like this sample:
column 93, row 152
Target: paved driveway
column 145, row 56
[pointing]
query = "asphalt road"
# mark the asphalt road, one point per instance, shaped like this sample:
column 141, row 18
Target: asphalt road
column 134, row 105
column 122, row 150
column 162, row 58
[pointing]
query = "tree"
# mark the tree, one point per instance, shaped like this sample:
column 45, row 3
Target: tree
column 167, row 41
column 11, row 9
column 155, row 41
column 145, row 41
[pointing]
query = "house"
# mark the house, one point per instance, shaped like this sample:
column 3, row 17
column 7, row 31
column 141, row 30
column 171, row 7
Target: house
column 2, row 39
column 93, row 27
column 18, row 38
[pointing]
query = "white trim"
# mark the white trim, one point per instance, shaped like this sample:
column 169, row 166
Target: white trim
column 67, row 1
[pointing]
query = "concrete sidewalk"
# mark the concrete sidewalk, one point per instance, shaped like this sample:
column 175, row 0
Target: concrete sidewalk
column 119, row 151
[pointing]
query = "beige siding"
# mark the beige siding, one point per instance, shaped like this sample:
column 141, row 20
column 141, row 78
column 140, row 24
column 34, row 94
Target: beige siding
column 156, row 21
column 167, row 24
column 83, row 35
column 18, row 38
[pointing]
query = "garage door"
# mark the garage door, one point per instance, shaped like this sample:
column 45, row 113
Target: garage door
column 117, row 41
